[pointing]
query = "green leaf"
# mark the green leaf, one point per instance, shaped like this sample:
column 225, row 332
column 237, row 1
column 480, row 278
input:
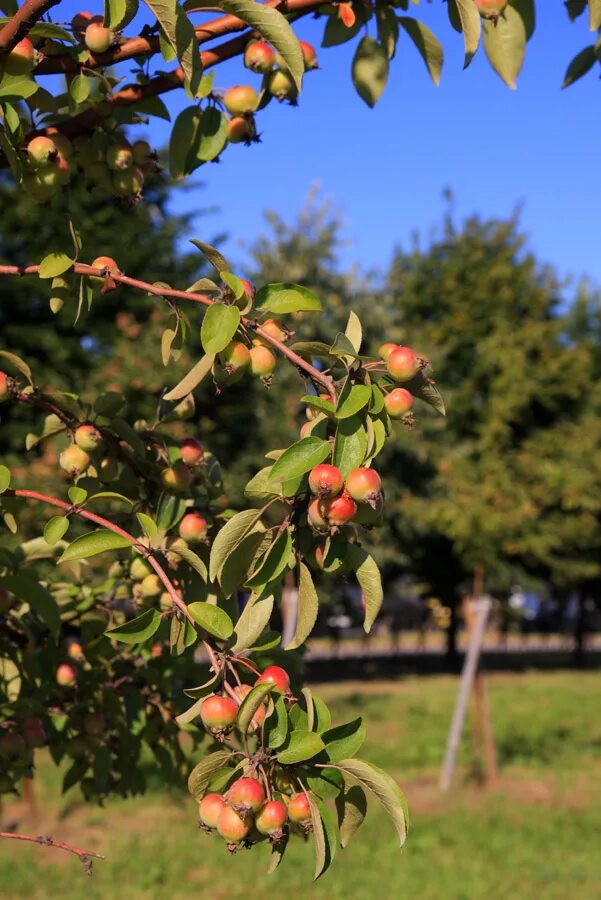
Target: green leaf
column 180, row 34
column 308, row 695
column 219, row 326
column 54, row 264
column 193, row 378
column 344, row 741
column 17, row 87
column 260, row 487
column 228, row 538
column 212, row 618
column 18, row 363
column 323, row 719
column 274, row 562
column 277, row 852
column 200, row 776
column 212, row 134
column 148, row 525
column 137, row 630
column 388, row 29
column 328, row 784
column 354, row 331
column 169, row 511
column 427, row 44
column 382, row 786
column 351, row 807
column 350, row 444
column 505, row 45
column 241, row 560
column 352, row 399
column 283, row 297
column 77, row 495
column 275, row 729
column 119, row 13
column 271, row 24
column 250, row 705
column 218, row 261
column 38, row 597
column 471, row 25
column 527, row 10
column 55, row 529
column 370, row 70
column 308, row 605
column 183, row 143
column 580, row 65
column 80, row 88
column 191, row 713
column 193, row 560
column 252, row 622
column 324, row 836
column 92, row 544
column 316, row 402
column 368, row 576
column 301, row 745
column 299, row 458
column 4, row 478
column 153, row 106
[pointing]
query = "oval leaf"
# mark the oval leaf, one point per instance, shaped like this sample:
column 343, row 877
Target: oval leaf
column 301, row 745
column 250, row 705
column 505, row 45
column 370, row 70
column 92, row 544
column 200, row 775
column 382, row 786
column 299, row 458
column 4, row 478
column 54, row 264
column 219, row 325
column 368, row 576
column 138, row 630
column 212, row 618
column 180, row 34
column 427, row 44
column 228, row 539
column 192, row 379
column 351, row 807
column 308, row 605
column 55, row 529
column 350, row 445
column 39, row 598
column 344, row 740
column 252, row 622
column 352, row 399
column 287, row 298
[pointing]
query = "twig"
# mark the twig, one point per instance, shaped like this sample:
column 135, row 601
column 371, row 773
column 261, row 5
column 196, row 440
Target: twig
column 85, row 856
column 22, row 22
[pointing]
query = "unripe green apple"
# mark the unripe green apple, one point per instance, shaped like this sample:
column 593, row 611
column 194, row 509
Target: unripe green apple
column 21, row 58
column 74, row 460
column 151, row 585
column 139, row 569
column 98, row 39
column 40, row 150
column 176, row 478
column 39, row 192
column 141, row 152
column 241, row 129
column 55, row 174
column 281, row 85
column 88, row 438
column 81, row 20
column 241, row 100
column 129, row 183
column 235, row 357
column 119, row 156
column 262, row 361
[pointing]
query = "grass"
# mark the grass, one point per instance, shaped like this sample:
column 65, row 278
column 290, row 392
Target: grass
column 536, row 833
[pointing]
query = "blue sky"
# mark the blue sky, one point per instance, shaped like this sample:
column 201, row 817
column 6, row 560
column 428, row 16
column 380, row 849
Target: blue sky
column 386, row 168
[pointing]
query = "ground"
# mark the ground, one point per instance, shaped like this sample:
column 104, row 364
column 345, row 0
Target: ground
column 535, row 834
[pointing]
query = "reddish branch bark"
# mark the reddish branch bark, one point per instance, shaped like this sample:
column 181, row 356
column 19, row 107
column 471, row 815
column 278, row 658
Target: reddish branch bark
column 105, row 523
column 145, row 286
column 22, row 22
column 84, row 855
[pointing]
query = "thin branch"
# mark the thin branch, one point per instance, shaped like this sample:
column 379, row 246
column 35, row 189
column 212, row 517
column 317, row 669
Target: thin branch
column 110, row 526
column 22, row 22
column 294, row 358
column 85, row 856
column 146, row 46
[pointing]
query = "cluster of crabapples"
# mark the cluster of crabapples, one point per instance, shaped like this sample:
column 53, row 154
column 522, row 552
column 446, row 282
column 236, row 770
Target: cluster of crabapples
column 242, row 101
column 258, row 358
column 251, row 809
column 108, row 160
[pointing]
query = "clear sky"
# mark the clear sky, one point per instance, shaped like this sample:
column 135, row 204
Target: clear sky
column 537, row 146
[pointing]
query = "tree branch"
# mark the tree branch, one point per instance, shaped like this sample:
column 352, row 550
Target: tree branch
column 298, row 361
column 110, row 526
column 22, row 22
column 146, row 46
column 83, row 855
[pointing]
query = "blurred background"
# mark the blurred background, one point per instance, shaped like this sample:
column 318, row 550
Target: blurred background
column 495, row 280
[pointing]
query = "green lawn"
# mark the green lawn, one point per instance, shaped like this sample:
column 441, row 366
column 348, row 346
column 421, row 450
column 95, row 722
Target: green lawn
column 537, row 834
